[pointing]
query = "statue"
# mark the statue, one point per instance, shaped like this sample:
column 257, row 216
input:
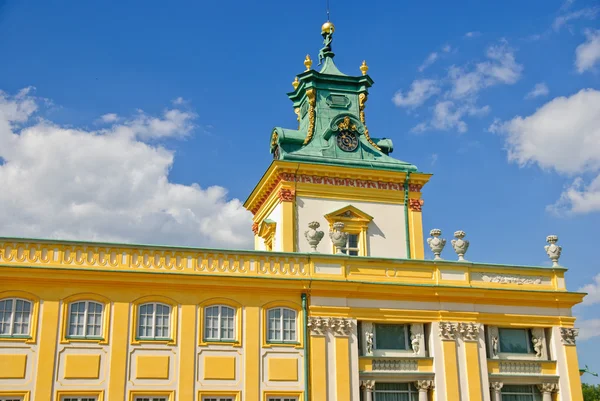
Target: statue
column 495, row 345
column 327, row 32
column 369, row 341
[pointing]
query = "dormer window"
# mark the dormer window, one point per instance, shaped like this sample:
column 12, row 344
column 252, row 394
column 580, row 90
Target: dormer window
column 351, row 247
column 356, row 224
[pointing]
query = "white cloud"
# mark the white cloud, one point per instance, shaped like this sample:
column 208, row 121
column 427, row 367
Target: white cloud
column 428, row 61
column 588, row 329
column 593, row 291
column 500, row 68
column 420, row 91
column 473, row 34
column 447, row 115
column 540, row 89
column 563, row 135
column 109, row 118
column 585, row 13
column 447, row 49
column 587, row 54
column 110, row 184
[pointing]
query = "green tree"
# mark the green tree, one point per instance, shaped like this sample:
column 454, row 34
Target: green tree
column 591, row 392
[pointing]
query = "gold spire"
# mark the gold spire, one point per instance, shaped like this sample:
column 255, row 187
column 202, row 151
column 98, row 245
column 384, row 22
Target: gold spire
column 295, row 83
column 307, row 62
column 364, row 68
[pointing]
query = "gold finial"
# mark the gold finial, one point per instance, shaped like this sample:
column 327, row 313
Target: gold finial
column 307, row 62
column 364, row 68
column 295, row 83
column 328, row 27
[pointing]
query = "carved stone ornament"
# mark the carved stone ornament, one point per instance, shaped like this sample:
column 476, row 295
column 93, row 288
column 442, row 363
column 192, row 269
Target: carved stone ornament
column 520, row 367
column 416, row 205
column 338, row 237
column 552, row 249
column 423, row 385
column 496, row 386
column 319, row 326
column 369, row 342
column 436, row 244
column 416, row 334
column 395, row 365
column 255, row 228
column 367, row 385
column 448, row 330
column 494, row 339
column 567, row 336
column 505, row 278
column 547, row 388
column 313, row 236
column 537, row 338
column 469, row 331
column 286, row 195
column 415, row 187
column 460, row 245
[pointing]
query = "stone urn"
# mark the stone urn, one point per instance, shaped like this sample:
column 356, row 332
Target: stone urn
column 313, row 236
column 552, row 249
column 338, row 237
column 460, row 245
column 436, row 244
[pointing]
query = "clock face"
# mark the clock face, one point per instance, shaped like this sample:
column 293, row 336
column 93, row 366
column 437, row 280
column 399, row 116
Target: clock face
column 347, row 141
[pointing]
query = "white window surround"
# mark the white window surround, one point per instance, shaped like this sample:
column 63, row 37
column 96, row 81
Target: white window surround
column 414, row 337
column 282, row 325
column 219, row 323
column 154, row 322
column 15, row 317
column 493, row 345
column 85, row 319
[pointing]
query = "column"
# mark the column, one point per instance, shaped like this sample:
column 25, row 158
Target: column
column 415, row 225
column 48, row 326
column 547, row 389
column 423, row 386
column 469, row 333
column 342, row 366
column 367, row 388
column 496, row 389
column 447, row 334
column 567, row 366
column 318, row 359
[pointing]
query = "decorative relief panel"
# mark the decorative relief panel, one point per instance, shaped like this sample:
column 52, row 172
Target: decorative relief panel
column 396, row 365
column 505, row 278
column 319, row 326
column 452, row 330
column 448, row 330
column 521, row 367
column 567, row 335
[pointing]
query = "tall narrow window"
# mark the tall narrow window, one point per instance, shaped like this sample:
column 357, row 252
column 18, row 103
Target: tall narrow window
column 351, row 247
column 395, row 392
column 520, row 393
column 15, row 317
column 85, row 319
column 219, row 323
column 281, row 325
column 153, row 321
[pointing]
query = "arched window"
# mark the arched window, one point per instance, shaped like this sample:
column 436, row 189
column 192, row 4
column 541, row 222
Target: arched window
column 219, row 323
column 154, row 321
column 281, row 325
column 15, row 317
column 85, row 319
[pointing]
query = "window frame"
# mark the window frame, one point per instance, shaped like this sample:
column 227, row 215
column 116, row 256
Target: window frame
column 233, row 395
column 535, row 394
column 13, row 312
column 282, row 340
column 266, row 343
column 168, row 395
column 85, row 336
column 154, row 327
column 406, row 337
column 219, row 338
column 283, row 395
column 66, row 303
column 63, row 394
column 413, row 393
column 528, row 342
column 347, row 249
column 14, row 395
column 356, row 222
column 172, row 321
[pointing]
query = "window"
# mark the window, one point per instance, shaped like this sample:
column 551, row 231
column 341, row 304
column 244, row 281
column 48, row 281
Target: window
column 213, row 398
column 219, row 321
column 282, row 399
column 395, row 392
column 520, row 393
column 11, row 399
column 15, row 316
column 281, row 324
column 391, row 336
column 85, row 319
column 150, row 399
column 153, row 323
column 351, row 247
column 516, row 341
column 79, row 399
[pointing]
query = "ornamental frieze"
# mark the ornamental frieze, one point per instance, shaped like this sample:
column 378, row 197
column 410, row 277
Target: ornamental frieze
column 505, row 278
column 343, row 182
column 452, row 330
column 395, row 365
column 320, row 326
column 567, row 336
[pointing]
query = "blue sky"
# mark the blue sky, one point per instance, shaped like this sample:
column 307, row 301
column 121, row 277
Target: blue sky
column 149, row 121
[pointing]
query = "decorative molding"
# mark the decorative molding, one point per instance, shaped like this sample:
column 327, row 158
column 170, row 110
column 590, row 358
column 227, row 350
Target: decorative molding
column 423, row 385
column 255, row 228
column 521, row 367
column 448, row 330
column 362, row 100
column 311, row 95
column 416, row 205
column 319, row 326
column 395, row 365
column 496, row 386
column 567, row 335
column 505, row 278
column 469, row 331
column 343, row 182
column 415, row 187
column 286, row 195
column 416, row 335
column 547, row 388
column 367, row 385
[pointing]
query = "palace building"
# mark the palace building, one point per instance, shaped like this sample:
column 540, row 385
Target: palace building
column 336, row 303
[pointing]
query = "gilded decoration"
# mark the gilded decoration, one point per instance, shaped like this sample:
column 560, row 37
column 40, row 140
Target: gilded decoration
column 415, row 187
column 297, row 111
column 255, row 228
column 311, row 94
column 362, row 99
column 346, row 125
column 286, row 195
column 274, row 137
column 308, row 62
column 415, row 204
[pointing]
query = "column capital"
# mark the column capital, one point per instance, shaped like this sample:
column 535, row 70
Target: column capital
column 367, row 385
column 547, row 388
column 448, row 330
column 423, row 385
column 319, row 326
column 567, row 335
column 496, row 386
column 469, row 331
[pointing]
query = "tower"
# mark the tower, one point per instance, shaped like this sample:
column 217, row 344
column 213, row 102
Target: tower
column 331, row 170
